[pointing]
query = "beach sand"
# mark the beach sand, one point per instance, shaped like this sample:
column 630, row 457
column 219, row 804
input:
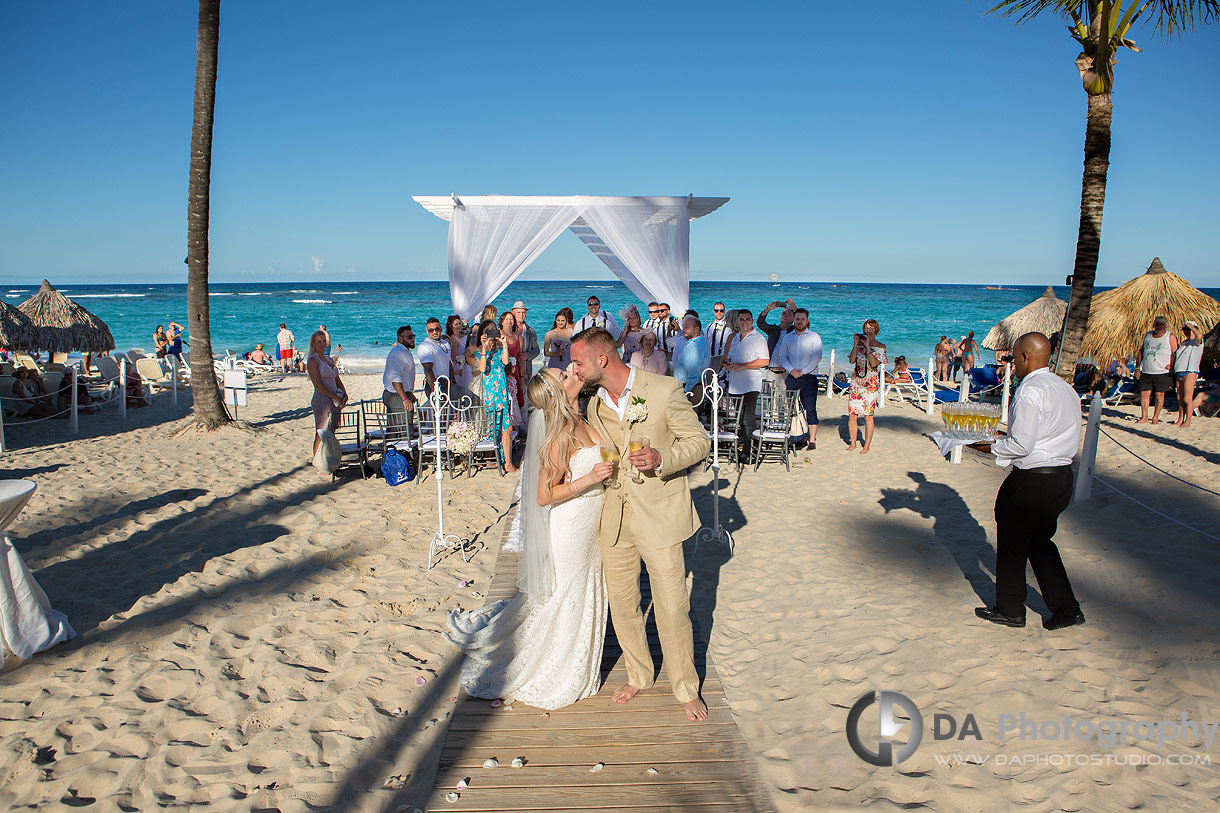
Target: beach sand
column 249, row 631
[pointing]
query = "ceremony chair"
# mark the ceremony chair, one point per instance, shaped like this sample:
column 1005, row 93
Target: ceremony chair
column 351, row 443
column 489, row 448
column 772, row 438
column 728, row 422
column 372, row 413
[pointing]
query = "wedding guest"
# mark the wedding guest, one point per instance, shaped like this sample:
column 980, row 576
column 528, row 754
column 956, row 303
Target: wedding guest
column 1043, row 433
column 329, row 394
column 398, row 380
column 492, row 360
column 455, row 330
column 651, row 323
column 717, row 335
column 489, row 312
column 473, row 343
column 434, row 356
column 557, row 344
column 1186, row 369
column 1155, row 360
column 775, row 332
column 666, row 330
column 285, row 340
column 799, row 353
column 513, row 344
column 596, row 318
column 942, row 354
column 629, row 337
column 649, row 358
column 731, row 318
column 692, row 358
column 160, row 342
column 868, row 358
column 744, row 365
column 529, row 343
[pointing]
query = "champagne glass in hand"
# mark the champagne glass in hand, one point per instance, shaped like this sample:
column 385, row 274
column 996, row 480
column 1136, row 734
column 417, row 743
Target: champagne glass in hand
column 610, row 455
column 635, row 446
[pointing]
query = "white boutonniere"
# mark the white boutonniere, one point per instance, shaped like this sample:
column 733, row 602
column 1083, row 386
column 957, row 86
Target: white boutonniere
column 636, row 411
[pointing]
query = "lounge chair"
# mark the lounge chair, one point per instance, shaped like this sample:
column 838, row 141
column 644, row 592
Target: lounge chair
column 916, row 387
column 1122, row 389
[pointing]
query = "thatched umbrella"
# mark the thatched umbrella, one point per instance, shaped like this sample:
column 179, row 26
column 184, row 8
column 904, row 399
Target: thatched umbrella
column 17, row 332
column 64, row 325
column 1120, row 318
column 1043, row 315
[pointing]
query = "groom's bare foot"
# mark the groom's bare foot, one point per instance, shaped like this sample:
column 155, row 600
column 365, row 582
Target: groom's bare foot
column 624, row 693
column 696, row 710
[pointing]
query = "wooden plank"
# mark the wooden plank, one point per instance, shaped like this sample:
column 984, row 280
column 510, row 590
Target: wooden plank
column 595, row 798
column 702, row 766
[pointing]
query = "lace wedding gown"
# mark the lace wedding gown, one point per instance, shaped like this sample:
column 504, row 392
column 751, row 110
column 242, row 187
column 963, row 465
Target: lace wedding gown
column 545, row 654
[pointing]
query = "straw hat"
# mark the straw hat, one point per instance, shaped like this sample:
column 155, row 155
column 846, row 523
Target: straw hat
column 1119, row 319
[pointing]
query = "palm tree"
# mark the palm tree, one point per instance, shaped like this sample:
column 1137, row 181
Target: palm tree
column 1101, row 27
column 209, row 407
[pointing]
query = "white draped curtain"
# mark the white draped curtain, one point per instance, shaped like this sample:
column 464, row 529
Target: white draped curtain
column 645, row 241
column 493, row 239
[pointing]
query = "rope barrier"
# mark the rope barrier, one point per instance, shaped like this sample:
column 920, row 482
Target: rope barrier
column 1153, row 510
column 1155, row 466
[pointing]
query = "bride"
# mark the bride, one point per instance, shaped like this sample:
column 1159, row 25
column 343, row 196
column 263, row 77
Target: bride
column 544, row 646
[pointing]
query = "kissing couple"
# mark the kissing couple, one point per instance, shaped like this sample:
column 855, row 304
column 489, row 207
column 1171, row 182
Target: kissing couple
column 584, row 533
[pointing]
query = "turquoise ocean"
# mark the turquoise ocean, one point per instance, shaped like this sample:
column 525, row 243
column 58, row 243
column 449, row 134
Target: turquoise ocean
column 363, row 316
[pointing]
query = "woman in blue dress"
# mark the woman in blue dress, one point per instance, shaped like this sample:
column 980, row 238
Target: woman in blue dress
column 492, row 360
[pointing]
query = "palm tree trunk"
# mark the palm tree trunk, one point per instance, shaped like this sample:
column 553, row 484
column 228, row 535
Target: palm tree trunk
column 209, row 406
column 1088, row 240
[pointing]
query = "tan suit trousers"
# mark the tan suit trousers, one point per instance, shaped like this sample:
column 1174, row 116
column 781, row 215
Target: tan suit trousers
column 667, row 575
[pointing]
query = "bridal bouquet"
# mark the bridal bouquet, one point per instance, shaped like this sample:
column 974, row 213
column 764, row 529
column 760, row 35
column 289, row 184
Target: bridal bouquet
column 461, row 438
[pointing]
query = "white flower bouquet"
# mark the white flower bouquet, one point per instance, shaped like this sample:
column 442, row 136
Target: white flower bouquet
column 461, row 438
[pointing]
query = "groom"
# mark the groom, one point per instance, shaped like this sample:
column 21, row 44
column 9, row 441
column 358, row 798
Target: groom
column 646, row 521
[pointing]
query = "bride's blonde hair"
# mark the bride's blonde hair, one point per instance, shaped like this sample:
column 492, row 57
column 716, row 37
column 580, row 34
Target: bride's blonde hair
column 546, row 393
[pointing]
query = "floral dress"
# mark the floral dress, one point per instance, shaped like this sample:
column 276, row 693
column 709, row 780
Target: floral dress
column 865, row 383
column 516, row 389
column 495, row 393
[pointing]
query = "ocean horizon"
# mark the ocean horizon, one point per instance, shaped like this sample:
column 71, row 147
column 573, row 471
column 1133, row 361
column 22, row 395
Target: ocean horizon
column 364, row 316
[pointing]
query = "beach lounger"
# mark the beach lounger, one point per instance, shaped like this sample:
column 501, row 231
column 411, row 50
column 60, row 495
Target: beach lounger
column 1124, row 388
column 916, row 387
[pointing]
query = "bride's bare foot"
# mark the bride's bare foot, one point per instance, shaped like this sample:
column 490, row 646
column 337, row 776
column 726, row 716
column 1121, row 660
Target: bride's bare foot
column 624, row 693
column 696, row 710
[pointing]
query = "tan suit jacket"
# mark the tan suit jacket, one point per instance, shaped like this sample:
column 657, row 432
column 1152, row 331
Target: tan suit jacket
column 662, row 503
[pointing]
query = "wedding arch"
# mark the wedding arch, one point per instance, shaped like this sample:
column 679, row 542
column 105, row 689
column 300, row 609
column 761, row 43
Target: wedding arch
column 645, row 241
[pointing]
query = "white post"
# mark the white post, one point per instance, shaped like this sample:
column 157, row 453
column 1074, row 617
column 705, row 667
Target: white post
column 931, row 382
column 173, row 380
column 830, row 382
column 884, row 389
column 73, row 423
column 1005, row 396
column 1088, row 454
column 123, row 387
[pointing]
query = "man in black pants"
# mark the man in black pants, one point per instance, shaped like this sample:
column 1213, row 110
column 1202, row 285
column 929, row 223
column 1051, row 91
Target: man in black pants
column 1043, row 433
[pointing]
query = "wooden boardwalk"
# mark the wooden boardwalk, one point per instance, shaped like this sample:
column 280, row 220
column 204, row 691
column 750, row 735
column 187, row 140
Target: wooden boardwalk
column 699, row 766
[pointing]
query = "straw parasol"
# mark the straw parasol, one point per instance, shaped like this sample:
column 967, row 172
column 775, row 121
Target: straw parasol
column 1043, row 315
column 17, row 332
column 64, row 325
column 1120, row 318
column 1211, row 343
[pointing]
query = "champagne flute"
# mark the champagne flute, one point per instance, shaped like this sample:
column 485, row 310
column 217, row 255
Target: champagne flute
column 610, row 455
column 635, row 446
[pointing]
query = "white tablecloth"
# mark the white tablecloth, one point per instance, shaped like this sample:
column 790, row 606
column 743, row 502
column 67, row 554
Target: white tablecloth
column 27, row 622
column 947, row 444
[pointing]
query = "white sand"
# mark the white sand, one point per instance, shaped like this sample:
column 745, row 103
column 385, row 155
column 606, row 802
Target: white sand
column 248, row 628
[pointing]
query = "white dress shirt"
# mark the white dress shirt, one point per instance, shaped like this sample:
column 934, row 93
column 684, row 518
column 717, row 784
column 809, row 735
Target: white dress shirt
column 749, row 347
column 799, row 351
column 717, row 334
column 399, row 367
column 435, row 353
column 1044, row 424
column 603, row 320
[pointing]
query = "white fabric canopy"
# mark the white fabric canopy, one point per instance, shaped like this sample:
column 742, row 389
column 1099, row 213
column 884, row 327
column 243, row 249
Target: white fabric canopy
column 645, row 241
column 493, row 239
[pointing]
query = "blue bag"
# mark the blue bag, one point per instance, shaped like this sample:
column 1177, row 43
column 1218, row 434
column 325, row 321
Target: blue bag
column 396, row 467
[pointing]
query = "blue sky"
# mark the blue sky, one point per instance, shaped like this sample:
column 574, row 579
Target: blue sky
column 856, row 143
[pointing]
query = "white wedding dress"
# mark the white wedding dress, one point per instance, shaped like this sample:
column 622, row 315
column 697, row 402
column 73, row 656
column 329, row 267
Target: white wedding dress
column 545, row 653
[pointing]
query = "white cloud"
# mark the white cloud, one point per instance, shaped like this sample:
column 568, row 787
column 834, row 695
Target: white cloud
column 318, row 264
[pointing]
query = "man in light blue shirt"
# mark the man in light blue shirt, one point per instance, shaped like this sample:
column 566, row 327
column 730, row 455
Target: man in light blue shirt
column 800, row 354
column 692, row 358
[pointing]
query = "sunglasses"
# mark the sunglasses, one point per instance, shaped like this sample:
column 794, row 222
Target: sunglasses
column 717, row 310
